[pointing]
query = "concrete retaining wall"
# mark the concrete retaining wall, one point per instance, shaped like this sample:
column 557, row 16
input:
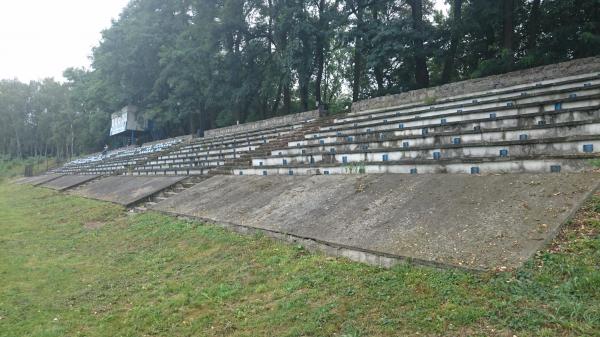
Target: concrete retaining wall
column 570, row 68
column 475, row 222
column 264, row 124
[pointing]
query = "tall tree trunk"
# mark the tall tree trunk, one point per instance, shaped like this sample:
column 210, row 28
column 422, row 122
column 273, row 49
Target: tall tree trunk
column 533, row 26
column 508, row 24
column 18, row 141
column 358, row 58
column 305, row 71
column 319, row 60
column 325, row 86
column 72, row 142
column 421, row 71
column 304, row 82
column 271, row 111
column 449, row 67
column 287, row 77
column 490, row 40
column 264, row 107
column 46, row 154
column 379, row 79
column 192, row 123
column 277, row 99
column 378, row 68
column 287, row 98
column 320, row 52
column 357, row 70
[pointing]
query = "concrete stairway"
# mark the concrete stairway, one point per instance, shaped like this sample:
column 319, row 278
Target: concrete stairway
column 168, row 193
column 83, row 186
column 266, row 149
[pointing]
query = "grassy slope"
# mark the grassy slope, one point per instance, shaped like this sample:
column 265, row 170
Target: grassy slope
column 154, row 275
column 14, row 167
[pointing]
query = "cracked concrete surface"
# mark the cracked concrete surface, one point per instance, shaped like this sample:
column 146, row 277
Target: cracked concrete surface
column 68, row 181
column 38, row 180
column 126, row 190
column 478, row 222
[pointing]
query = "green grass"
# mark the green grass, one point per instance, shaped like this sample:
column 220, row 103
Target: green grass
column 10, row 168
column 76, row 267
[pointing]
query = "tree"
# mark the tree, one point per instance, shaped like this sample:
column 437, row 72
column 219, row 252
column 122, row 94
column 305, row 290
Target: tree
column 14, row 100
column 198, row 64
column 456, row 28
column 508, row 32
column 421, row 72
column 533, row 26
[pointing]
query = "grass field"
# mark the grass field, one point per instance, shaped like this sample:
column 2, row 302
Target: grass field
column 14, row 167
column 76, row 267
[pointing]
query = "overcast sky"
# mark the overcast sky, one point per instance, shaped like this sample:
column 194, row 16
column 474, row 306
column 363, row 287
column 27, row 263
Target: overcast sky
column 41, row 38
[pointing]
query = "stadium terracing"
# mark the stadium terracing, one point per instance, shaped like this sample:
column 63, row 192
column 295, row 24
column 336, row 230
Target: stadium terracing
column 473, row 174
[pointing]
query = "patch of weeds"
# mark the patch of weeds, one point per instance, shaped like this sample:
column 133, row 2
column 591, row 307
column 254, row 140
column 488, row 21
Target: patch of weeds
column 596, row 203
column 594, row 162
column 349, row 330
column 429, row 100
column 355, row 168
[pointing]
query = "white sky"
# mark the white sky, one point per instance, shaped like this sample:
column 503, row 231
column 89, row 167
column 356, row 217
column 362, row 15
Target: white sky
column 441, row 5
column 42, row 38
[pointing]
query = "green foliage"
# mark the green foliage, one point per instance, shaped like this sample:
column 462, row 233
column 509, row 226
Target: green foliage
column 595, row 162
column 199, row 64
column 47, row 118
column 430, row 100
column 10, row 168
column 354, row 168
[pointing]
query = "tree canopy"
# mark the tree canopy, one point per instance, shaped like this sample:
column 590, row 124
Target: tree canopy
column 200, row 64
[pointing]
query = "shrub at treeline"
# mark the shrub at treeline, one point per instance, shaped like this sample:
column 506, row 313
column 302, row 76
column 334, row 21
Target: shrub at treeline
column 199, row 64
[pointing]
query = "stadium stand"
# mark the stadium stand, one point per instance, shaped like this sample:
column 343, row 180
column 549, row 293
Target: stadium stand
column 119, row 160
column 219, row 154
column 544, row 120
column 444, row 204
column 546, row 126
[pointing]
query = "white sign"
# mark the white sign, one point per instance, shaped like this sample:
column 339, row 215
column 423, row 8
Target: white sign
column 119, row 122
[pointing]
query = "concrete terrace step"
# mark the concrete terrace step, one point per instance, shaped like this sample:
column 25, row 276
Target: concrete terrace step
column 374, row 141
column 524, row 121
column 168, row 193
column 520, row 98
column 552, row 146
column 188, row 162
column 431, row 112
column 171, row 172
column 480, row 165
column 580, row 102
column 477, row 96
